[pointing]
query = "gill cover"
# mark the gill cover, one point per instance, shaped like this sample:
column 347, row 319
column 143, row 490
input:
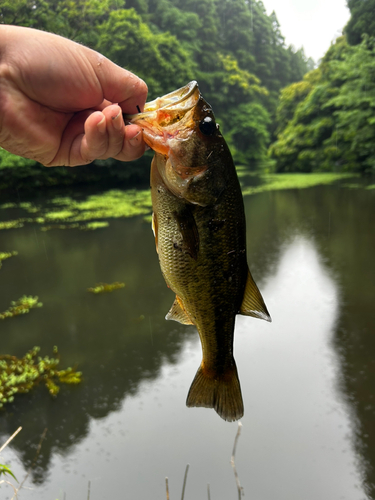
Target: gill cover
column 181, row 128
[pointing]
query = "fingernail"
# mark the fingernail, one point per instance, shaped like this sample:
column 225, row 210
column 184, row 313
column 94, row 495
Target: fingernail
column 135, row 141
column 117, row 121
column 102, row 126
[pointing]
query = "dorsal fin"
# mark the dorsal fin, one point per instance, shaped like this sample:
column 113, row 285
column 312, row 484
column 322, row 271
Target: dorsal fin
column 253, row 303
column 178, row 313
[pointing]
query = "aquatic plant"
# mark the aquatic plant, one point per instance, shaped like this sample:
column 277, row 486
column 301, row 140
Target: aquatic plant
column 64, row 212
column 11, row 224
column 20, row 375
column 106, row 287
column 21, row 306
column 275, row 182
column 67, row 213
column 59, row 226
column 7, row 255
column 91, row 226
column 4, row 469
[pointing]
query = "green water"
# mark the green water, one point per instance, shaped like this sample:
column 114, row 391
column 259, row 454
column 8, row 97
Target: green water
column 308, row 378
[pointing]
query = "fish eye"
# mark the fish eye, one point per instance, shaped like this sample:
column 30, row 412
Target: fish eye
column 207, row 126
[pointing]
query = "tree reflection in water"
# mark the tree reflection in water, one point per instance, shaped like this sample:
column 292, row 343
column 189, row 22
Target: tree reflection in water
column 307, row 378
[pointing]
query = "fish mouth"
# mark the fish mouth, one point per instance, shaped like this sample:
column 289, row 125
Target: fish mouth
column 162, row 118
column 180, row 99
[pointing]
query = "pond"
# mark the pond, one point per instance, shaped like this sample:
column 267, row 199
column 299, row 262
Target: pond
column 308, row 378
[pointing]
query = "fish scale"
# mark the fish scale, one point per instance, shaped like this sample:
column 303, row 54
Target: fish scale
column 200, row 234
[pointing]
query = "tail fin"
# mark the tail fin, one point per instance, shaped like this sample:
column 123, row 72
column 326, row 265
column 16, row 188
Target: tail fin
column 222, row 393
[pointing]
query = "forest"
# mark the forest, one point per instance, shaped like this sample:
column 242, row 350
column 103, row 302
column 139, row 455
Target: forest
column 278, row 112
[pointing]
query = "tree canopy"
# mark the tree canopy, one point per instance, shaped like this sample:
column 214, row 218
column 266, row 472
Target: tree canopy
column 362, row 20
column 232, row 48
column 326, row 122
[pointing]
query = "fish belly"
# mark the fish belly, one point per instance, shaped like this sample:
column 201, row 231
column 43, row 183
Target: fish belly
column 202, row 256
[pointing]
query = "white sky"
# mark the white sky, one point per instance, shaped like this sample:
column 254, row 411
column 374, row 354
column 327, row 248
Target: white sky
column 313, row 24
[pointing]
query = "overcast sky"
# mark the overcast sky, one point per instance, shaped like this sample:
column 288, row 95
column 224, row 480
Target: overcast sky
column 312, row 24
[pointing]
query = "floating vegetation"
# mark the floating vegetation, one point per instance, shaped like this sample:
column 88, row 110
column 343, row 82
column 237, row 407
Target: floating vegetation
column 69, row 213
column 274, row 182
column 64, row 212
column 112, row 203
column 7, row 255
column 91, row 226
column 11, row 224
column 106, row 287
column 59, row 226
column 21, row 306
column 20, row 375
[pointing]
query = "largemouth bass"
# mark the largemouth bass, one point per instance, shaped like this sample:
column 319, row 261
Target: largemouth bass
column 199, row 228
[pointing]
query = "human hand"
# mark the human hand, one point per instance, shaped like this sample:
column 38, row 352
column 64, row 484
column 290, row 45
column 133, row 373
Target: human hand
column 62, row 103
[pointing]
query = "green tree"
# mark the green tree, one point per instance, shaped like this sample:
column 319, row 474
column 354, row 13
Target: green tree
column 166, row 17
column 206, row 31
column 289, row 99
column 232, row 47
column 326, row 122
column 30, row 13
column 355, row 107
column 362, row 20
column 248, row 135
column 236, row 31
column 74, row 19
column 157, row 58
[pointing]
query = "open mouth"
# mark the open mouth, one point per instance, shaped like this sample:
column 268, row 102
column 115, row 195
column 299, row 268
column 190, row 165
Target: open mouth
column 180, row 100
column 162, row 117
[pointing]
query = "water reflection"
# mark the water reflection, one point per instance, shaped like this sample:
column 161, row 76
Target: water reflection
column 307, row 378
column 301, row 430
column 105, row 335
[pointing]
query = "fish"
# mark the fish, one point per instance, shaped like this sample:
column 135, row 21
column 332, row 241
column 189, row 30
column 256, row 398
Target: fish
column 200, row 235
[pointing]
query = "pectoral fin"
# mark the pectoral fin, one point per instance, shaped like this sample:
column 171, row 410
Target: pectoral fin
column 253, row 303
column 178, row 313
column 189, row 232
column 155, row 229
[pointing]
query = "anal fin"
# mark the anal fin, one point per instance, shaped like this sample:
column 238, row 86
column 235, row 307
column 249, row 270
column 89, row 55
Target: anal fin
column 253, row 303
column 178, row 313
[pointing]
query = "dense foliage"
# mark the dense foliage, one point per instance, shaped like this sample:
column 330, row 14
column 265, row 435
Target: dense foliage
column 233, row 48
column 326, row 121
column 362, row 20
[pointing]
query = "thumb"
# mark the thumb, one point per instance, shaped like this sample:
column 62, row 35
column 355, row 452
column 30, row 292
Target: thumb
column 118, row 85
